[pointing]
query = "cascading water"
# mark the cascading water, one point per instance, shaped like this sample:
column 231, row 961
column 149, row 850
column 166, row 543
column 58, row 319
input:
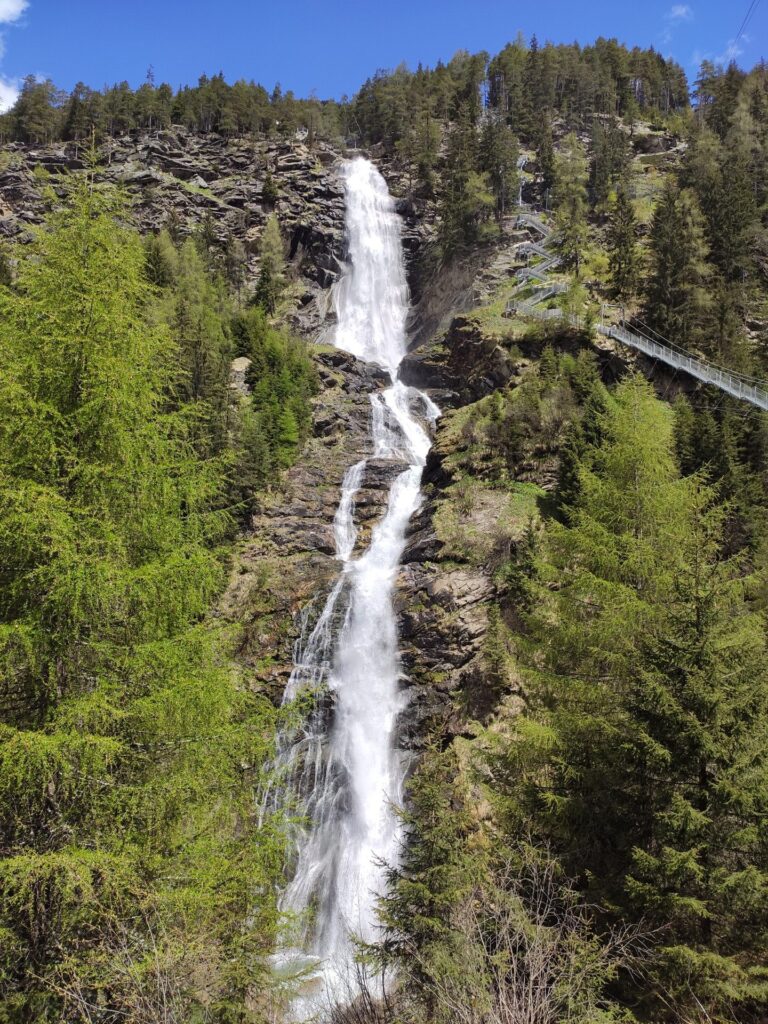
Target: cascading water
column 344, row 765
column 521, row 162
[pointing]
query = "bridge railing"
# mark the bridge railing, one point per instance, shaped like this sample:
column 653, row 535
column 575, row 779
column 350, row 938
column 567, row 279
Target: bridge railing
column 529, row 220
column 540, row 295
column 731, row 383
column 532, row 247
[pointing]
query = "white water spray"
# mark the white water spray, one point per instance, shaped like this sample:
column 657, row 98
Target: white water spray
column 345, row 765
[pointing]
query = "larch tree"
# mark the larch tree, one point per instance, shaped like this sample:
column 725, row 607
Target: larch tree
column 271, row 275
column 126, row 816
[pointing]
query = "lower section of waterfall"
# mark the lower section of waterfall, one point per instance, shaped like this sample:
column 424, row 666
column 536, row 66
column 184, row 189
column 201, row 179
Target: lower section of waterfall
column 343, row 766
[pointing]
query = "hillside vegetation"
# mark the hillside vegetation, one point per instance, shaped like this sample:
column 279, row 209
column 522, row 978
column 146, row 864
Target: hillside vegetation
column 587, row 819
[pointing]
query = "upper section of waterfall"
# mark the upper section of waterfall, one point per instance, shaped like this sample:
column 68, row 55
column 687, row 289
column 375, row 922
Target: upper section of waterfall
column 372, row 297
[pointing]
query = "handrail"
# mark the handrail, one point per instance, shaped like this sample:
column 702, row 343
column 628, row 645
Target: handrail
column 731, row 383
column 661, row 340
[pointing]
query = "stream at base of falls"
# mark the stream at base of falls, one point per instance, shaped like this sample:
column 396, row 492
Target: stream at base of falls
column 343, row 765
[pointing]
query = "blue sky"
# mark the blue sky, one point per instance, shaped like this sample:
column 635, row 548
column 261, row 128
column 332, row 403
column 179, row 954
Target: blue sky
column 332, row 46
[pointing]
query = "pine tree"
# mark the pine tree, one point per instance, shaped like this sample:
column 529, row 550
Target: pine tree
column 735, row 220
column 621, row 241
column 437, row 872
column 498, row 159
column 610, row 156
column 545, row 156
column 466, row 201
column 269, row 190
column 235, row 263
column 675, row 297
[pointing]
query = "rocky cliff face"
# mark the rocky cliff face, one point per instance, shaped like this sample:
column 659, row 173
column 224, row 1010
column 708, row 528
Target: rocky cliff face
column 447, row 595
column 285, row 563
column 176, row 176
column 186, row 179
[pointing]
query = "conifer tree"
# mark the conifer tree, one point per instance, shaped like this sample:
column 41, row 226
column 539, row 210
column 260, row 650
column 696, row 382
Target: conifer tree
column 271, row 278
column 161, row 258
column 438, row 871
column 197, row 311
column 545, row 156
column 676, row 299
column 642, row 758
column 571, row 200
column 610, row 154
column 269, row 191
column 235, row 263
column 498, row 159
column 129, row 839
column 735, row 220
column 621, row 239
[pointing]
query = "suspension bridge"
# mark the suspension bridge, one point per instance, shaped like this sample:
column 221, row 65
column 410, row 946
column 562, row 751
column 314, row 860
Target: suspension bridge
column 641, row 339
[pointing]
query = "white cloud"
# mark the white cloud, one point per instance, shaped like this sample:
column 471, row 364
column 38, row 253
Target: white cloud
column 12, row 10
column 676, row 14
column 9, row 93
column 731, row 51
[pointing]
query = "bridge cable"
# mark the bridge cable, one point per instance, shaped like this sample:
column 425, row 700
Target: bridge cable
column 747, row 17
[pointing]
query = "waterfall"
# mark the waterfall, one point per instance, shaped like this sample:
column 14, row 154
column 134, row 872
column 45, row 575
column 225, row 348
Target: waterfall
column 521, row 162
column 344, row 764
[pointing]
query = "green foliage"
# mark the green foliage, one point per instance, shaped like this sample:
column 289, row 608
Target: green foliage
column 571, row 200
column 466, row 201
column 676, row 296
column 269, row 191
column 43, row 113
column 271, row 278
column 641, row 755
column 610, row 158
column 254, row 437
column 196, row 311
column 621, row 242
column 130, row 751
column 419, row 147
column 545, row 156
column 576, row 82
column 161, row 259
column 276, row 420
column 476, row 931
column 498, row 159
column 717, row 439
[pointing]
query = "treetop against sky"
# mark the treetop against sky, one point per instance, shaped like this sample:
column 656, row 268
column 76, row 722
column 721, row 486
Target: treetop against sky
column 330, row 48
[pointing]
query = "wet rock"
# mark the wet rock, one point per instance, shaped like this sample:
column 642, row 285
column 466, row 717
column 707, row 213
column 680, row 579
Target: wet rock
column 463, row 365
